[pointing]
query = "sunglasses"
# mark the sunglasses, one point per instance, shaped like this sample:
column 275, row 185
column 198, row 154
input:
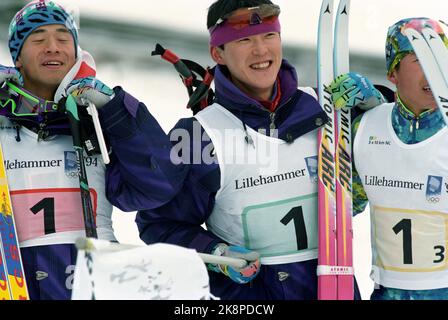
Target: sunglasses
column 244, row 17
column 23, row 103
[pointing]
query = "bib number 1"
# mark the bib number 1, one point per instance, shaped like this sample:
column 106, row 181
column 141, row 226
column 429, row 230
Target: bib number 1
column 42, row 212
column 296, row 215
column 47, row 206
column 405, row 226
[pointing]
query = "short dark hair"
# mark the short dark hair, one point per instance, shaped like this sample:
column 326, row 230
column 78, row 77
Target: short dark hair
column 222, row 7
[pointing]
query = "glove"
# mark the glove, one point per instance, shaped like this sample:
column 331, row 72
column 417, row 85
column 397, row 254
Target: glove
column 242, row 275
column 354, row 90
column 90, row 89
column 10, row 74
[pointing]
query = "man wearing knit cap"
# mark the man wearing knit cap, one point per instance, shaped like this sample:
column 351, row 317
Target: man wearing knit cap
column 401, row 165
column 38, row 149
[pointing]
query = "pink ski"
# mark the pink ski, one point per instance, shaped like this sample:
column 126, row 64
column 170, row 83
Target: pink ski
column 344, row 163
column 335, row 270
column 327, row 282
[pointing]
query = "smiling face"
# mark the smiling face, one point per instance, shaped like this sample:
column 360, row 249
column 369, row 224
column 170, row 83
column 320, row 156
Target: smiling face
column 46, row 57
column 412, row 86
column 253, row 62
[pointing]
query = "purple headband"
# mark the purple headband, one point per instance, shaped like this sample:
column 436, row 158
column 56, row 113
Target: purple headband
column 226, row 33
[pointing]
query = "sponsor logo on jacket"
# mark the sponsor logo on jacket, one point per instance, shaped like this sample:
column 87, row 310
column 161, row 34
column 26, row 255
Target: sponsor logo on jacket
column 378, row 142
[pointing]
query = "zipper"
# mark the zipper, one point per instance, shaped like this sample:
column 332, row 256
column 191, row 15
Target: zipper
column 417, row 125
column 42, row 134
column 272, row 124
column 17, row 127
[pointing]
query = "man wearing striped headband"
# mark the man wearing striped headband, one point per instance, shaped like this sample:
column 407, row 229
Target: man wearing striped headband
column 245, row 196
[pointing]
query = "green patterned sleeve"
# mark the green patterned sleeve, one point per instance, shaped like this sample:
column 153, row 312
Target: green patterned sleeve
column 360, row 200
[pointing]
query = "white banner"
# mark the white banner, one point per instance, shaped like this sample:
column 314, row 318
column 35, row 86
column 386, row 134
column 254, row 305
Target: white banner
column 110, row 271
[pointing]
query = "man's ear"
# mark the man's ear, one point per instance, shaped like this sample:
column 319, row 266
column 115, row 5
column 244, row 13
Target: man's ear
column 216, row 54
column 392, row 77
column 19, row 63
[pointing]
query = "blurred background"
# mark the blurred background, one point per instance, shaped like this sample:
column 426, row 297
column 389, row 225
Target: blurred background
column 121, row 34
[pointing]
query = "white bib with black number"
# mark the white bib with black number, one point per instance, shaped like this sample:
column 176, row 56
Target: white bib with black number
column 268, row 196
column 407, row 186
column 44, row 186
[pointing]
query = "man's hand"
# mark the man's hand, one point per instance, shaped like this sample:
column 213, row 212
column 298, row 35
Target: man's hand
column 354, row 90
column 90, row 89
column 10, row 74
column 239, row 275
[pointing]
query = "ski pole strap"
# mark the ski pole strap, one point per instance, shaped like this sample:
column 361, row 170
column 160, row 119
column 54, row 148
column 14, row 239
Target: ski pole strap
column 196, row 79
column 323, row 270
column 202, row 94
column 178, row 64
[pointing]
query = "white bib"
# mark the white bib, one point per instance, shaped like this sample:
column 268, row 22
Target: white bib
column 407, row 186
column 268, row 196
column 44, row 187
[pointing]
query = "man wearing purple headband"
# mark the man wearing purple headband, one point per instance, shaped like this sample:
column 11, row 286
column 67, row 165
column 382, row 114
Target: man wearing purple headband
column 401, row 167
column 252, row 165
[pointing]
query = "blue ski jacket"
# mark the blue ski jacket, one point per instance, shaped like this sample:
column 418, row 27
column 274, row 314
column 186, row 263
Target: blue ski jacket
column 140, row 174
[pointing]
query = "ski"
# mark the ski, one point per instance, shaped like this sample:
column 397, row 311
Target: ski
column 5, row 292
column 335, row 259
column 11, row 256
column 344, row 199
column 327, row 259
column 438, row 49
column 432, row 55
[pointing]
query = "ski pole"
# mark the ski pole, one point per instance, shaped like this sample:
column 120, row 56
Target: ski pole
column 231, row 262
column 89, row 245
column 91, row 109
column 87, row 210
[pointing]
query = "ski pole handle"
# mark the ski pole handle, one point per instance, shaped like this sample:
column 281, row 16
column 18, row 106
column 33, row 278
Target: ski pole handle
column 91, row 109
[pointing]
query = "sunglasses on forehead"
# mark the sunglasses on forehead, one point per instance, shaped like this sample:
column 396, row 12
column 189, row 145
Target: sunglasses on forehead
column 244, row 17
column 23, row 103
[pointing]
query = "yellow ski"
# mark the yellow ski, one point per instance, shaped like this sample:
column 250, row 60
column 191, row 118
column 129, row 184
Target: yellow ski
column 11, row 257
